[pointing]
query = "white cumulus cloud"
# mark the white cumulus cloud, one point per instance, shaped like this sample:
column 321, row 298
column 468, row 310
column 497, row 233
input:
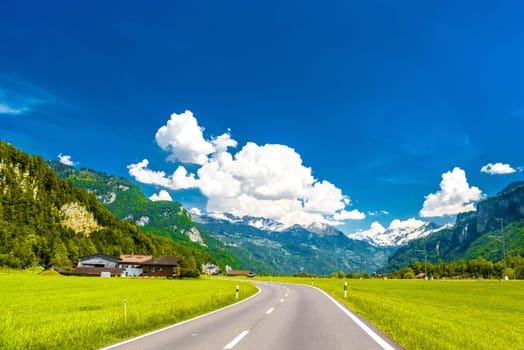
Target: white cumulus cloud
column 195, row 211
column 177, row 181
column 259, row 180
column 497, row 169
column 66, row 159
column 455, row 196
column 183, row 137
column 163, row 195
column 354, row 214
column 406, row 224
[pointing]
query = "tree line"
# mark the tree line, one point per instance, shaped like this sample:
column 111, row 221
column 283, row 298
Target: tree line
column 474, row 268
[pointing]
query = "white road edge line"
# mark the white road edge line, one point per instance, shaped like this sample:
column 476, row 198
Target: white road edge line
column 359, row 323
column 178, row 324
column 270, row 311
column 235, row 341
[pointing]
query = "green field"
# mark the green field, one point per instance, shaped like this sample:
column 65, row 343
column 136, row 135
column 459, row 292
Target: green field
column 57, row 312
column 435, row 314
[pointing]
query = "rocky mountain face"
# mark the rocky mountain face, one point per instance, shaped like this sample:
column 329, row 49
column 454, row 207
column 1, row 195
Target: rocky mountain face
column 473, row 233
column 274, row 248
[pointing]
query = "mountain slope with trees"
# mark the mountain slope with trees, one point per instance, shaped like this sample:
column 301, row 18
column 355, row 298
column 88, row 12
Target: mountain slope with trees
column 474, row 235
column 48, row 221
column 127, row 201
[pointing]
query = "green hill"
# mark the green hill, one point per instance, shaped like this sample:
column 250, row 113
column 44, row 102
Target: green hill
column 48, row 221
column 127, row 201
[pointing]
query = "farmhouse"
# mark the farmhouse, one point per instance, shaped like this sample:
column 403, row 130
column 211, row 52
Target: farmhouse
column 210, row 269
column 132, row 264
column 161, row 266
column 97, row 265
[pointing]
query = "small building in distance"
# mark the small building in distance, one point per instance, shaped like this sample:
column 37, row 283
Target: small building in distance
column 231, row 272
column 210, row 269
column 161, row 266
column 132, row 264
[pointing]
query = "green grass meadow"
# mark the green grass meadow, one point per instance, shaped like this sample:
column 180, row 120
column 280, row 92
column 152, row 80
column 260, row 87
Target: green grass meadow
column 58, row 312
column 436, row 314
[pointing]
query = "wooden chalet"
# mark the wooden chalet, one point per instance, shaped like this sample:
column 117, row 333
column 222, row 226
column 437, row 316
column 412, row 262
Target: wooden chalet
column 161, row 266
column 132, row 264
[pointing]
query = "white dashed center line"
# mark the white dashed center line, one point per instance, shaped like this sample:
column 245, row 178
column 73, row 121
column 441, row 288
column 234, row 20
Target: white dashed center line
column 236, row 340
column 281, row 300
column 270, row 311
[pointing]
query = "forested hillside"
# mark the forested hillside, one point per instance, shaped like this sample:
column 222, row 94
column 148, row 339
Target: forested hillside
column 474, row 235
column 127, row 201
column 48, row 221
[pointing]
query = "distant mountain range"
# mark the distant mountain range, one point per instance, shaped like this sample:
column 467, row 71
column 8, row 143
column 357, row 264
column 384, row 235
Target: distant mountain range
column 267, row 246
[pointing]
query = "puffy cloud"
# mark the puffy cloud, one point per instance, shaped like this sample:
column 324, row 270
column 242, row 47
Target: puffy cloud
column 406, row 224
column 66, row 159
column 268, row 180
column 223, row 142
column 497, row 169
column 455, row 196
column 177, row 181
column 195, row 211
column 163, row 195
column 184, row 138
column 349, row 215
column 375, row 229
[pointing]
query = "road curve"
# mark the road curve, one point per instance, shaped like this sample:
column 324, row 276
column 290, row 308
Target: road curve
column 281, row 316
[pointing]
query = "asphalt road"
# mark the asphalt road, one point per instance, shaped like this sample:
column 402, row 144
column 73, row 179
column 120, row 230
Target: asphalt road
column 280, row 316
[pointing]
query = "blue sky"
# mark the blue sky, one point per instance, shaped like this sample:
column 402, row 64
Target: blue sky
column 346, row 112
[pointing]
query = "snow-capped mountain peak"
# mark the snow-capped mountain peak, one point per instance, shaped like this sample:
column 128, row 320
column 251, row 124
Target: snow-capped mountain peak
column 260, row 223
column 322, row 228
column 398, row 233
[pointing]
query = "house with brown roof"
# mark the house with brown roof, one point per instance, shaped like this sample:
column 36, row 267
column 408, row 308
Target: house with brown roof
column 97, row 271
column 160, row 266
column 96, row 265
column 132, row 264
column 231, row 272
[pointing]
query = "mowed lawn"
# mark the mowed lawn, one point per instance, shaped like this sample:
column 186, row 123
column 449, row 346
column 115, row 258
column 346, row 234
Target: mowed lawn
column 58, row 312
column 437, row 314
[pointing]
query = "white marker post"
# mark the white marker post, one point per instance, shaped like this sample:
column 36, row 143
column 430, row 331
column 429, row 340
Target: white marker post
column 345, row 289
column 125, row 310
column 237, row 292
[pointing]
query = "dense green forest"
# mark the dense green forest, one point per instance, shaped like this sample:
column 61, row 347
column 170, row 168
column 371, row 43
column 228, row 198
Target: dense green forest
column 32, row 220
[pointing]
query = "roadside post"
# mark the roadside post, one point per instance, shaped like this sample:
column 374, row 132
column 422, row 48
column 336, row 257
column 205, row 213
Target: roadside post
column 125, row 310
column 237, row 292
column 345, row 289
